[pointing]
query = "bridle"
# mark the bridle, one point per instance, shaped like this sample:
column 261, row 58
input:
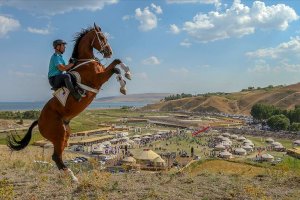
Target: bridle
column 101, row 43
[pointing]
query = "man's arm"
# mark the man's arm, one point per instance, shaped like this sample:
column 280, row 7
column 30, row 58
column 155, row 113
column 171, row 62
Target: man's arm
column 62, row 67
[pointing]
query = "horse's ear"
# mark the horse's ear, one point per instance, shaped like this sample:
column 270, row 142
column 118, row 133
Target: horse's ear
column 97, row 27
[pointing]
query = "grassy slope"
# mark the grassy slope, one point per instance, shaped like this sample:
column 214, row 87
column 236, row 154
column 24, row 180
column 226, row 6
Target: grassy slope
column 236, row 103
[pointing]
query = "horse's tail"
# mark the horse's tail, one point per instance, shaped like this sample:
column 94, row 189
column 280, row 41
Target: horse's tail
column 13, row 144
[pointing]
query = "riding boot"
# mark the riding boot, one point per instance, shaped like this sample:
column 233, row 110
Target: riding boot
column 74, row 93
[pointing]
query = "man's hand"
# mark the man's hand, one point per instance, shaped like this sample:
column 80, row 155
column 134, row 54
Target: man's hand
column 73, row 60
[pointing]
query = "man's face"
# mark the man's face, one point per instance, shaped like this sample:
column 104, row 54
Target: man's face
column 61, row 48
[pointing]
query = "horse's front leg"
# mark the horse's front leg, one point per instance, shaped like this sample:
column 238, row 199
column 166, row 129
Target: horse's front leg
column 126, row 69
column 122, row 82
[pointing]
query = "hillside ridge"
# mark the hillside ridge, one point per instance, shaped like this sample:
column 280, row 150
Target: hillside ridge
column 284, row 97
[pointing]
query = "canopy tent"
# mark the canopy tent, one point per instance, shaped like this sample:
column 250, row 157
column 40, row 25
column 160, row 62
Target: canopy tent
column 159, row 162
column 147, row 154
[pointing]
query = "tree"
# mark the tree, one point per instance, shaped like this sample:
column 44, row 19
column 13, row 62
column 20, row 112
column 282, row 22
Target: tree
column 263, row 111
column 278, row 122
column 295, row 126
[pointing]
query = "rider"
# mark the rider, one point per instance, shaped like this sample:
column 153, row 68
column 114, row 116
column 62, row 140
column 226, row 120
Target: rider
column 57, row 70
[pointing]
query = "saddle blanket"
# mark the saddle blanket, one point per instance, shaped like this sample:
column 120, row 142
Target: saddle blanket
column 62, row 95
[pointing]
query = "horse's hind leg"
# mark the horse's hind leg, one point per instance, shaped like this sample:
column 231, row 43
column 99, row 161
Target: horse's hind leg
column 68, row 133
column 57, row 158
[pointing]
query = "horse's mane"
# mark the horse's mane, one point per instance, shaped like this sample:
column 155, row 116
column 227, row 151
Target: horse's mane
column 78, row 36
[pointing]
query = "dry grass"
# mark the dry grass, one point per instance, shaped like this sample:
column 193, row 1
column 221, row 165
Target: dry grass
column 21, row 178
column 235, row 103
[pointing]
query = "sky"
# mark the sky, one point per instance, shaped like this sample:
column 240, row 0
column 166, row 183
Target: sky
column 171, row 46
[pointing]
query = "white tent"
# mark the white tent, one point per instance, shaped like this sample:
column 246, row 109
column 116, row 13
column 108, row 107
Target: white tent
column 248, row 144
column 240, row 151
column 219, row 147
column 247, row 141
column 227, row 143
column 279, row 148
column 296, row 142
column 247, row 147
column 267, row 157
column 225, row 154
column 269, row 140
column 226, row 134
column 241, row 138
column 233, row 136
column 220, row 137
column 225, row 139
column 276, row 144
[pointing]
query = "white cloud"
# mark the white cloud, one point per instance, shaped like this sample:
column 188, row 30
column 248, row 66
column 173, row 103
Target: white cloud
column 147, row 19
column 57, row 7
column 151, row 61
column 185, row 43
column 260, row 67
column 8, row 24
column 174, row 29
column 239, row 20
column 291, row 47
column 126, row 17
column 44, row 31
column 217, row 3
column 157, row 9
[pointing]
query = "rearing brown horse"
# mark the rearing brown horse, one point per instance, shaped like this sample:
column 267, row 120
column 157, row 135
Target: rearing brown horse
column 54, row 120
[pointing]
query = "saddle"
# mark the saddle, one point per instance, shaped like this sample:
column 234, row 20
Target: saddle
column 62, row 93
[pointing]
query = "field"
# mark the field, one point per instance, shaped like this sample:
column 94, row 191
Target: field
column 209, row 178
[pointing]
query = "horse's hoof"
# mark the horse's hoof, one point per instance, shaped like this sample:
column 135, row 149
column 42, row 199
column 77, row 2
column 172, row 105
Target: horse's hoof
column 128, row 75
column 123, row 91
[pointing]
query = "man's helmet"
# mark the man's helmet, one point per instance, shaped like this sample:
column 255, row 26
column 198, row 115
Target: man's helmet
column 58, row 42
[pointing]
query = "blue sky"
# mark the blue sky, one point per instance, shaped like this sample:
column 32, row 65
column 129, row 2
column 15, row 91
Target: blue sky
column 174, row 46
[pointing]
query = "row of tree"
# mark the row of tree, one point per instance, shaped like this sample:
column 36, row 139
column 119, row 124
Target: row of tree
column 276, row 118
column 30, row 114
column 177, row 96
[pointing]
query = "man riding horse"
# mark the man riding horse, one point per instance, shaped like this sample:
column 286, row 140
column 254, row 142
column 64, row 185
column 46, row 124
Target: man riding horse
column 53, row 122
column 57, row 70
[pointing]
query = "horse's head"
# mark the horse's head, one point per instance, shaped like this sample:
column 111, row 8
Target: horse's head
column 100, row 42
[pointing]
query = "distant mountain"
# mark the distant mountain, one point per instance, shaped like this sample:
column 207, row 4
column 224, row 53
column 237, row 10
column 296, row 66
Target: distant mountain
column 285, row 97
column 146, row 97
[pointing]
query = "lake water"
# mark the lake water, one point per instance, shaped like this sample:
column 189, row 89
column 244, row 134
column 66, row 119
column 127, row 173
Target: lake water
column 9, row 106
